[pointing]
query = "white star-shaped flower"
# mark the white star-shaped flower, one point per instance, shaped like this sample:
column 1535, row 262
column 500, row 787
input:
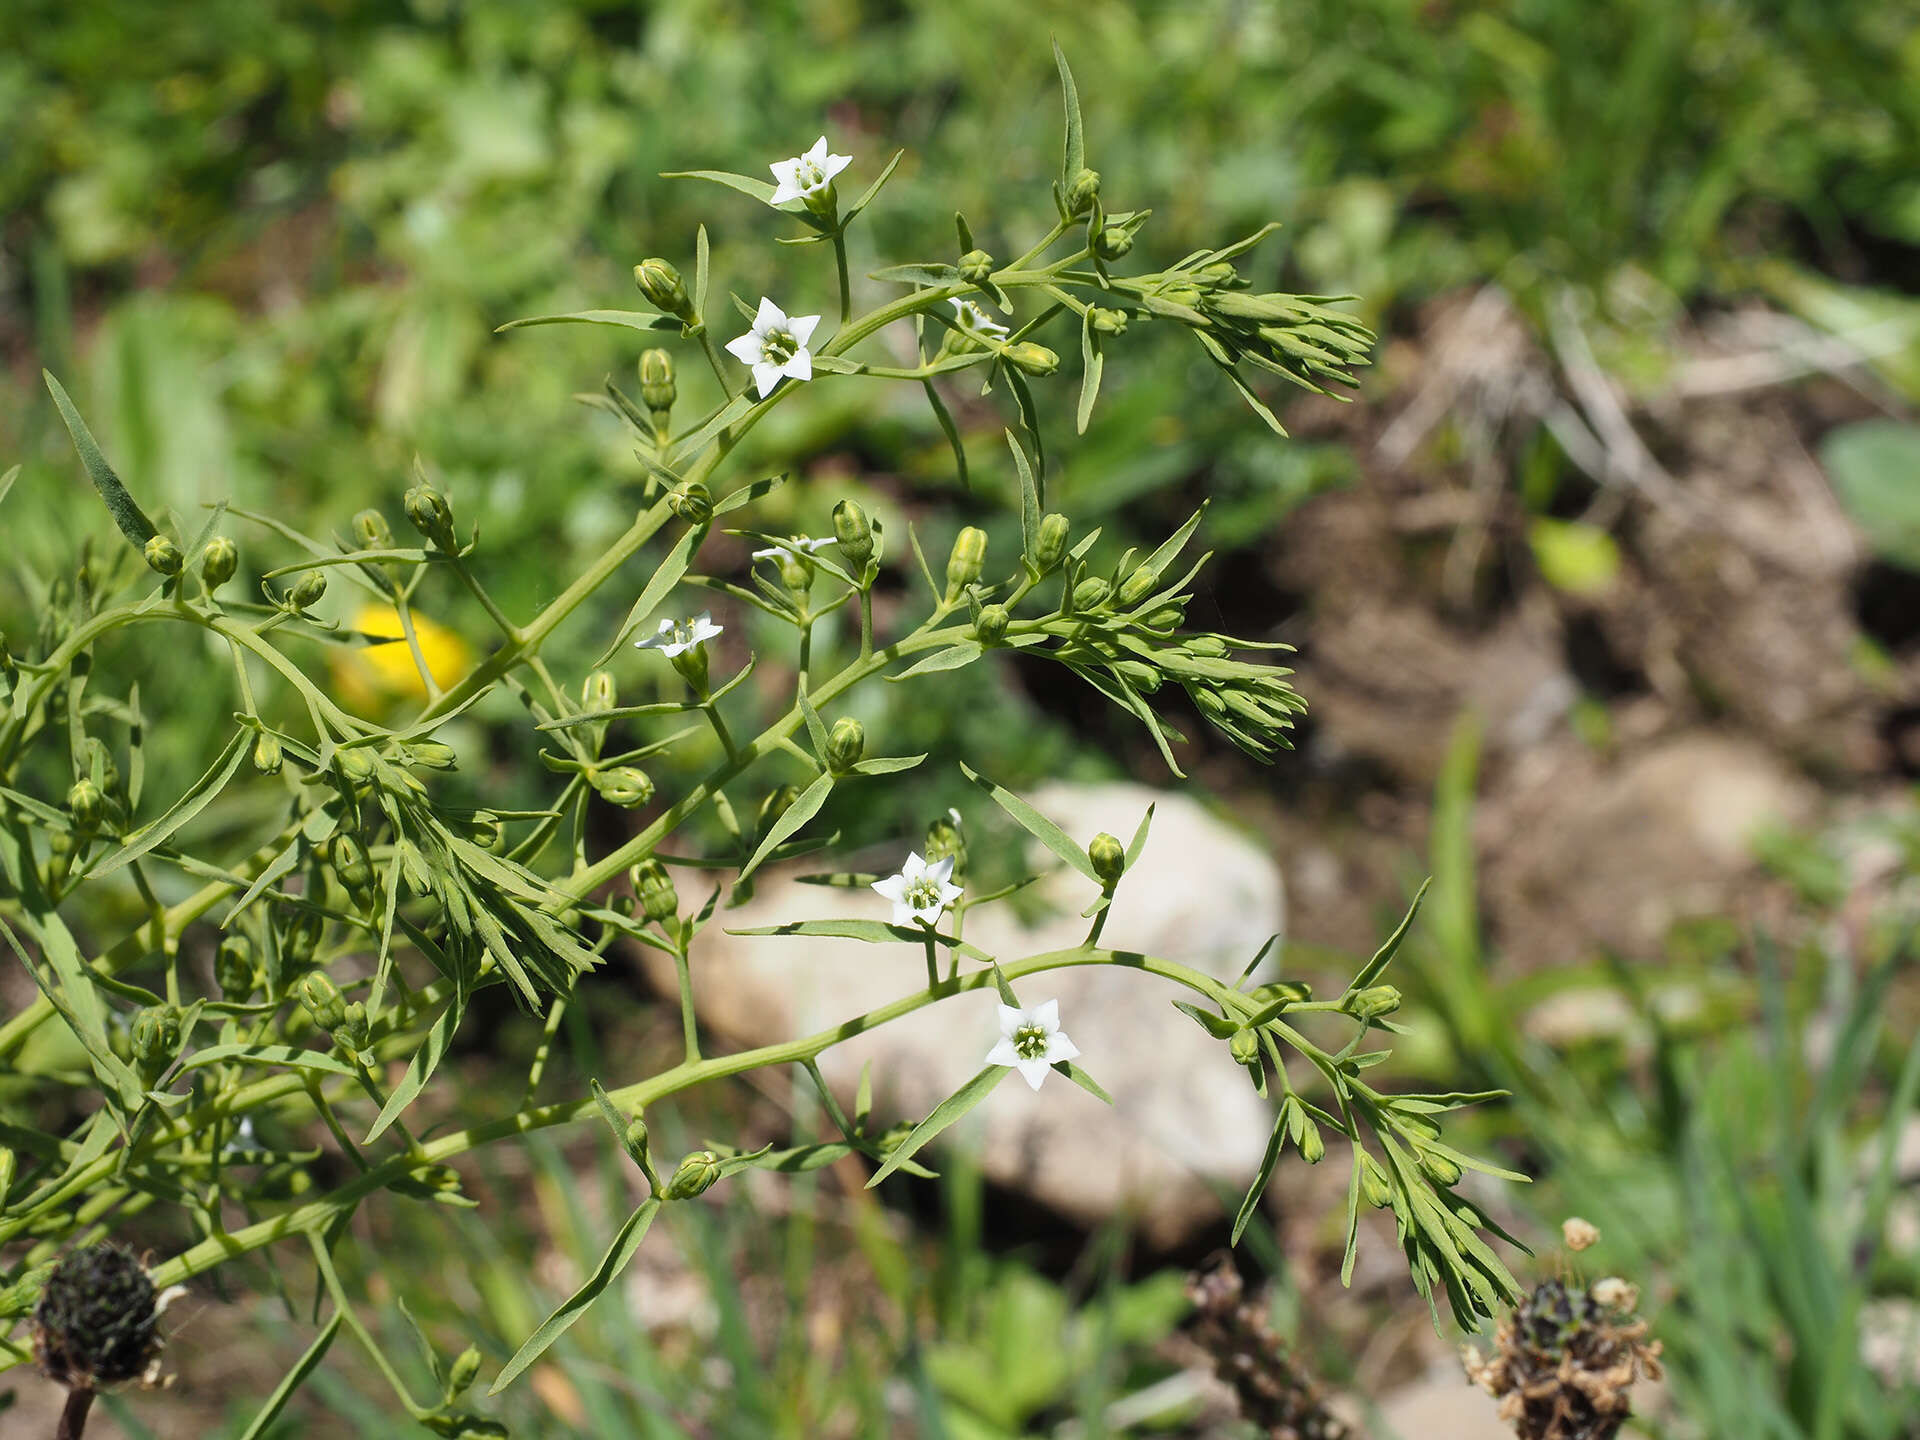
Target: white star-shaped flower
column 776, row 346
column 676, row 637
column 920, row 891
column 1031, row 1041
column 798, row 542
column 973, row 316
column 806, row 174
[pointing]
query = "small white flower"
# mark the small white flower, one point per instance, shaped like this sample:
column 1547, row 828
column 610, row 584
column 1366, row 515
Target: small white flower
column 676, row 637
column 971, row 315
column 243, row 1138
column 776, row 346
column 1032, row 1041
column 920, row 891
column 806, row 174
column 798, row 542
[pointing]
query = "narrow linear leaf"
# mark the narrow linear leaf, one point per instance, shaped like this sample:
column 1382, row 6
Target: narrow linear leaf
column 197, row 798
column 625, row 1243
column 867, row 195
column 1093, row 364
column 1076, row 149
column 1267, row 1161
column 1085, row 1081
column 946, row 1113
column 797, row 814
column 664, row 579
column 940, row 413
column 420, row 1069
column 1370, row 971
column 1034, row 823
column 627, row 319
column 758, row 189
column 951, row 658
column 288, row 1055
column 131, row 519
column 293, row 1380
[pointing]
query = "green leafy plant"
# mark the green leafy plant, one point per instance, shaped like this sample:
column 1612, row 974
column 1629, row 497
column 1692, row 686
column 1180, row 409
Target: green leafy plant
column 351, row 931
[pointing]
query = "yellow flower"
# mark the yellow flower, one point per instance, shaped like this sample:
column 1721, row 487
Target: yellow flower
column 372, row 677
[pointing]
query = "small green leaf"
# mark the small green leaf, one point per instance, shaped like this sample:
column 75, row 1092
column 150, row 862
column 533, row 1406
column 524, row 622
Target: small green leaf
column 1578, row 558
column 946, row 1113
column 886, row 764
column 1217, row 1026
column 940, row 413
column 1093, row 364
column 1267, row 1161
column 293, row 1380
column 867, row 195
column 1076, row 149
column 951, row 658
column 1085, row 1081
column 197, row 797
column 758, row 189
column 1875, row 469
column 1370, row 971
column 625, row 1244
column 131, row 519
column 663, row 580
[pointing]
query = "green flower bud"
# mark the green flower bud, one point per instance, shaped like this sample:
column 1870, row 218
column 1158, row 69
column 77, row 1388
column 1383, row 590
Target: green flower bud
column 694, row 1175
column 351, row 1032
column 846, row 743
column 95, row 1322
column 156, row 1035
column 1372, row 1002
column 486, row 829
column 658, row 899
column 1294, row 992
column 218, row 562
column 431, row 515
column 163, row 556
column 267, row 753
column 1082, row 191
column 991, row 626
column 1109, row 858
column 975, row 267
column 1182, row 292
column 1220, row 272
column 965, row 561
column 1313, row 1149
column 796, row 571
column 1167, row 617
column 1442, row 1171
column 1206, row 647
column 657, row 388
column 311, row 585
column 852, row 529
column 355, row 764
column 86, row 804
column 431, row 755
column 461, row 1425
column 298, row 939
column 1139, row 674
column 352, row 864
column 598, row 692
column 1049, row 543
column 463, row 1372
column 322, row 999
column 1137, row 586
column 779, row 800
column 1244, row 1046
column 660, row 282
column 627, row 786
column 370, row 528
column 692, row 502
column 1090, row 592
column 1107, row 322
column 1374, row 1184
column 234, row 969
column 1112, row 242
column 1031, row 359
column 1208, row 700
column 692, row 667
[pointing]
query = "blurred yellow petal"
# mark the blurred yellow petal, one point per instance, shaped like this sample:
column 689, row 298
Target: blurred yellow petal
column 371, row 678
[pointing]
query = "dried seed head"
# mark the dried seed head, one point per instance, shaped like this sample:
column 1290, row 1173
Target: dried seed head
column 95, row 1323
column 1579, row 1234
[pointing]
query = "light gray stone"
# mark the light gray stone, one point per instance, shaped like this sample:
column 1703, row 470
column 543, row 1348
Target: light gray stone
column 1184, row 1118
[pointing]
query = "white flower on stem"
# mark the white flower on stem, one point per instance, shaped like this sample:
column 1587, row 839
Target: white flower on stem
column 973, row 317
column 776, row 346
column 806, row 174
column 1031, row 1041
column 794, row 542
column 920, row 891
column 676, row 637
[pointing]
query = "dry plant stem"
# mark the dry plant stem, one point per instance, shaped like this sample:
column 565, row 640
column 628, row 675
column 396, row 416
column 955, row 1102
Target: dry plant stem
column 73, row 1417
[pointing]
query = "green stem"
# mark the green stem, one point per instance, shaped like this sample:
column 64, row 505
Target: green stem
column 846, row 287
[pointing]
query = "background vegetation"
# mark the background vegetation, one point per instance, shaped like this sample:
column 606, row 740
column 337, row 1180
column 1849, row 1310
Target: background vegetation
column 268, row 244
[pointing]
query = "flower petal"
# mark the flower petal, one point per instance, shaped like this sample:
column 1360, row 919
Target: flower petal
column 904, row 914
column 893, row 888
column 1034, row 1072
column 816, row 152
column 1059, row 1047
column 746, row 349
column 1046, row 1015
column 801, row 327
column 765, row 377
column 834, row 164
column 1003, row 1053
column 800, row 367
column 769, row 317
column 913, row 867
column 1011, row 1019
